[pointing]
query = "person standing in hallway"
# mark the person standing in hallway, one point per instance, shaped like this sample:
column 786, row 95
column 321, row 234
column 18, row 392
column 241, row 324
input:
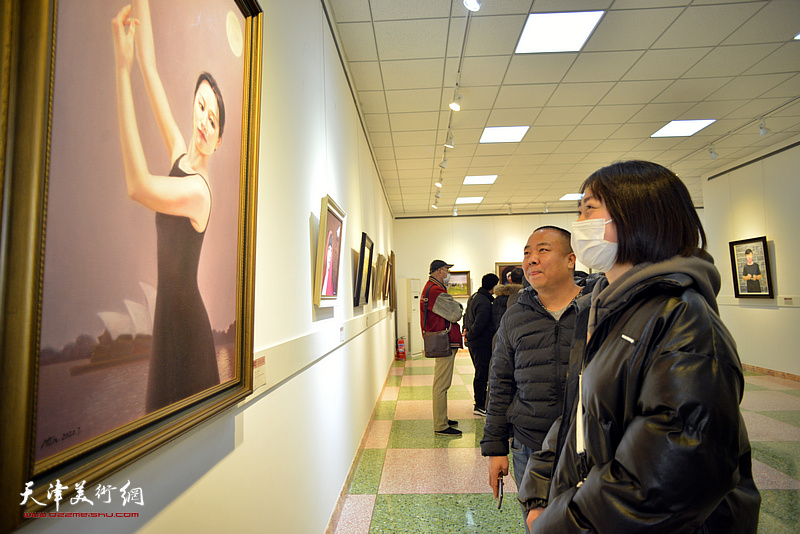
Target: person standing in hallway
column 651, row 437
column 478, row 333
column 503, row 293
column 531, row 354
column 440, row 311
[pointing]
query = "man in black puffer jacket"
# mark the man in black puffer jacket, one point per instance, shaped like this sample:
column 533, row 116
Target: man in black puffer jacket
column 478, row 333
column 531, row 354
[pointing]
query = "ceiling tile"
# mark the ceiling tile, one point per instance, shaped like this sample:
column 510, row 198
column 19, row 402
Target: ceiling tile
column 611, row 114
column 583, row 94
column 350, row 10
column 493, row 36
column 358, row 41
column 372, row 101
column 638, row 92
column 408, row 100
column 412, row 74
column 706, row 25
column 562, row 116
column 538, row 68
column 691, row 90
column 730, row 60
column 513, row 117
column 366, row 76
column 517, row 96
column 601, row 66
column 409, row 9
column 663, row 64
column 411, row 39
column 479, row 71
column 776, row 21
column 413, row 121
column 631, row 29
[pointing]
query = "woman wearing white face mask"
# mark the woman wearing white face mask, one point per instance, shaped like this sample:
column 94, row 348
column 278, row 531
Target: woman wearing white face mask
column 651, row 437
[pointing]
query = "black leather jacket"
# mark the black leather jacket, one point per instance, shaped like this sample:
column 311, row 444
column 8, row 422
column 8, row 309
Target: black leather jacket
column 666, row 447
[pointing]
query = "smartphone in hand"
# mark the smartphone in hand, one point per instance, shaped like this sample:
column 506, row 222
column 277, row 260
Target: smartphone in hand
column 499, row 491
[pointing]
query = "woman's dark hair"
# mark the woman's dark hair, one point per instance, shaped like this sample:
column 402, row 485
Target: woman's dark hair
column 206, row 77
column 651, row 209
column 488, row 281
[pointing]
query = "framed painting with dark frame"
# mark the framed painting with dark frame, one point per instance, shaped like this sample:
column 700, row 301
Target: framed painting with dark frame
column 363, row 271
column 750, row 266
column 95, row 371
column 329, row 248
column 502, row 270
column 392, row 285
column 459, row 284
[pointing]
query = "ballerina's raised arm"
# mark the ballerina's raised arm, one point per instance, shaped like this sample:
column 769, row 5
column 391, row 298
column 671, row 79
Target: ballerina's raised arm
column 190, row 196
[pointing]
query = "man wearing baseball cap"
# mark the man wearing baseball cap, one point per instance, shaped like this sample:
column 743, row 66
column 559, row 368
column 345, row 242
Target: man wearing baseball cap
column 439, row 311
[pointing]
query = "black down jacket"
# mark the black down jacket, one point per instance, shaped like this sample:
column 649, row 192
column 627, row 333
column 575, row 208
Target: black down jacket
column 666, row 447
column 528, row 373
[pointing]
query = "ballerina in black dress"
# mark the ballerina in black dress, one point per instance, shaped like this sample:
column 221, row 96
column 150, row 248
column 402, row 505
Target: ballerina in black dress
column 183, row 360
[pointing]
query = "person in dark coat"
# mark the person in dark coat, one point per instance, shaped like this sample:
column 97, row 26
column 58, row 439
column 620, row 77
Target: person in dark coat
column 651, row 438
column 503, row 293
column 531, row 354
column 478, row 333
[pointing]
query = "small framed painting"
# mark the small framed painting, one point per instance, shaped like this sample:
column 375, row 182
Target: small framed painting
column 363, row 271
column 459, row 285
column 329, row 248
column 750, row 265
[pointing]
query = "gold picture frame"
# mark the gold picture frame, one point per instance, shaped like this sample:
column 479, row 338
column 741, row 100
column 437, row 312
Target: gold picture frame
column 329, row 253
column 31, row 98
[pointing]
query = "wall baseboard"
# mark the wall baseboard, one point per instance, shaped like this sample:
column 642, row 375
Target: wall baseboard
column 770, row 372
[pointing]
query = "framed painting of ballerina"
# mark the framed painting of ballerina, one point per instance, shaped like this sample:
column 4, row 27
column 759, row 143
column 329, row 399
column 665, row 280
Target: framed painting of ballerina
column 131, row 246
column 329, row 249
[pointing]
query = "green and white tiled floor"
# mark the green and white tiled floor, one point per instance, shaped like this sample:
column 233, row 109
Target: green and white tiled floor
column 408, row 480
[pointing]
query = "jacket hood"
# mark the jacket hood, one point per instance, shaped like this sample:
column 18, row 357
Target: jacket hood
column 696, row 271
column 506, row 289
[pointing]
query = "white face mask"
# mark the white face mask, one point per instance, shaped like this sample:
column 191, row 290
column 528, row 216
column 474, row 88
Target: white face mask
column 590, row 247
column 446, row 279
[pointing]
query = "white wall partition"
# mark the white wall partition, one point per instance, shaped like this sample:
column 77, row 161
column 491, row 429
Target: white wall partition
column 277, row 462
column 758, row 198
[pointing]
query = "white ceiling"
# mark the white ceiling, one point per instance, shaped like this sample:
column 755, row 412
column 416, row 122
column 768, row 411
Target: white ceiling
column 646, row 63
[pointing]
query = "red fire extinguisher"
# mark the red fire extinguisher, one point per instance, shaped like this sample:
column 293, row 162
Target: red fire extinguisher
column 401, row 349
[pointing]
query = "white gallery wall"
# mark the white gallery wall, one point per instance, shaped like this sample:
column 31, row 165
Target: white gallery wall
column 278, row 461
column 760, row 199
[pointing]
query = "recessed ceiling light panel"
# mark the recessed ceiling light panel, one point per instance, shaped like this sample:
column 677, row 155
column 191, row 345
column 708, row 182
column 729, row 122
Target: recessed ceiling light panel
column 572, row 196
column 469, row 200
column 503, row 134
column 683, row 128
column 485, row 179
column 557, row 32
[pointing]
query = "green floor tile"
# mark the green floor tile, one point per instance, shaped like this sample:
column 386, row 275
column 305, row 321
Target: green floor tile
column 385, row 410
column 418, row 434
column 782, row 455
column 780, row 512
column 420, row 370
column 795, row 392
column 446, row 513
column 791, row 417
column 368, row 473
column 393, row 381
column 753, row 387
column 425, row 393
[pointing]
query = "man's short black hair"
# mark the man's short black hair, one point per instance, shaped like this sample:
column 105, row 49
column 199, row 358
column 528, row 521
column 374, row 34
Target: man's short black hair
column 488, row 281
column 516, row 275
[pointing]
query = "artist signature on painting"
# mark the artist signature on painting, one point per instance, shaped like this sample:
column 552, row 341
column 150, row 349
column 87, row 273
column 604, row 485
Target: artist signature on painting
column 49, row 441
